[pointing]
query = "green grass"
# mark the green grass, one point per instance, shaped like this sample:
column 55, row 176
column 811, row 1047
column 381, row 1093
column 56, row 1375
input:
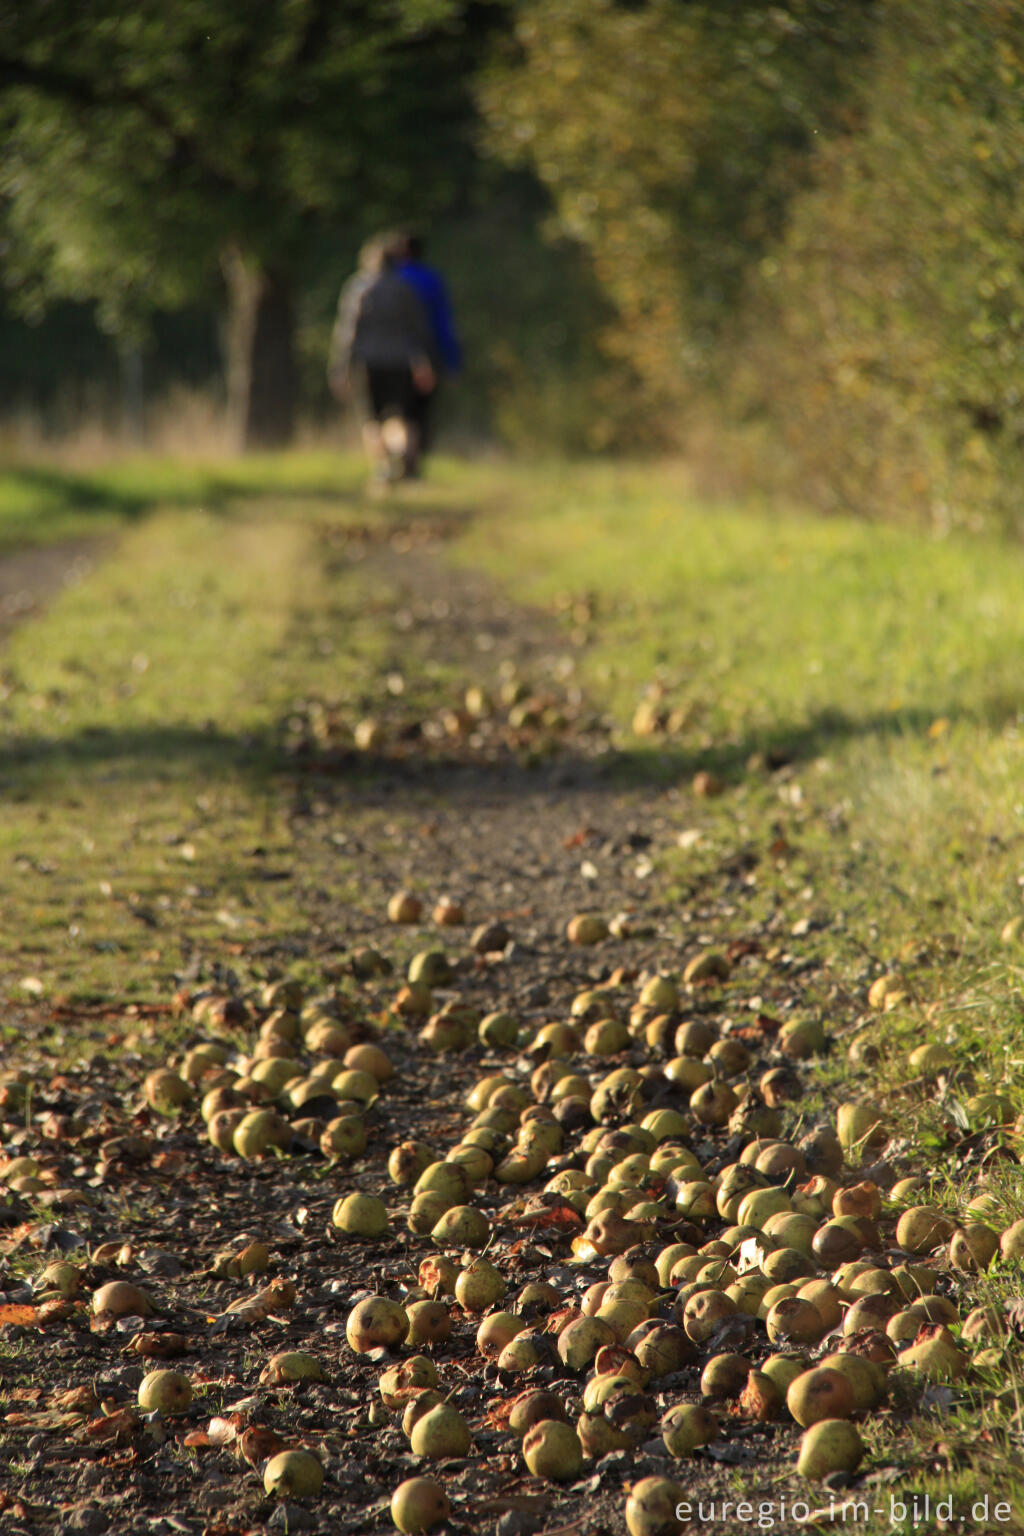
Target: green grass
column 143, row 757
column 855, row 688
column 42, row 503
column 882, row 668
column 143, row 715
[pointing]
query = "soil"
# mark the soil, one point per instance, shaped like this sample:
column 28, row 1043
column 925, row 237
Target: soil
column 525, row 821
column 30, row 577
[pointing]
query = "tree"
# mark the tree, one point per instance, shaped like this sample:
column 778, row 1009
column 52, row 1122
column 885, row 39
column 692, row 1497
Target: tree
column 150, row 150
column 672, row 134
column 882, row 340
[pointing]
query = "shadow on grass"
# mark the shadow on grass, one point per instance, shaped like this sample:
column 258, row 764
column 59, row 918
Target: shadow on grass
column 826, row 731
column 40, row 504
column 58, row 490
column 29, row 767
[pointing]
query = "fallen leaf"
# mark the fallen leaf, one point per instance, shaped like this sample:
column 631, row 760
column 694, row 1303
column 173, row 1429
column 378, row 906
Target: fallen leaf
column 224, row 1431
column 256, row 1444
column 17, row 1314
column 123, row 1422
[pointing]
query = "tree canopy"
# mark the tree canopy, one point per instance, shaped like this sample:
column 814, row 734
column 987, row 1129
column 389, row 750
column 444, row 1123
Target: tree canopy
column 146, row 147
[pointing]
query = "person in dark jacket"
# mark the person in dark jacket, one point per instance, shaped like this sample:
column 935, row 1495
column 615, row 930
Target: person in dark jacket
column 381, row 354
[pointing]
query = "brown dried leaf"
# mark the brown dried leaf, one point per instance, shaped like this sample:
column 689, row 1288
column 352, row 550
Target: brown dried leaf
column 224, row 1431
column 17, row 1314
column 115, row 1426
column 77, row 1399
column 256, row 1444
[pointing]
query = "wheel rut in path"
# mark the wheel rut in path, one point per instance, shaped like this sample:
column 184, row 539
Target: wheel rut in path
column 481, row 815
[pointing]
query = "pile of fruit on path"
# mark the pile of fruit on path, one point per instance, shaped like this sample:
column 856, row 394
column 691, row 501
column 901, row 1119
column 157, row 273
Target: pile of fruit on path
column 477, row 725
column 626, row 1225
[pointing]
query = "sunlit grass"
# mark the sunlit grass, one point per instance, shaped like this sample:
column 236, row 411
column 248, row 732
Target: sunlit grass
column 882, row 669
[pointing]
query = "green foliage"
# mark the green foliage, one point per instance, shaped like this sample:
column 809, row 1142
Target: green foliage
column 880, row 670
column 141, row 142
column 884, row 335
column 671, row 137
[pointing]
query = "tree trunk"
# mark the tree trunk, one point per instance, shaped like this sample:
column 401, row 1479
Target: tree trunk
column 133, row 399
column 259, row 346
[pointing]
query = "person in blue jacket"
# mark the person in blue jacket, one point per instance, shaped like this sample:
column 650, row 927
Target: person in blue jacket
column 446, row 352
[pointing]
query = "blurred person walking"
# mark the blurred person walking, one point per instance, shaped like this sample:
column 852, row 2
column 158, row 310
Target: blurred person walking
column 446, row 352
column 381, row 356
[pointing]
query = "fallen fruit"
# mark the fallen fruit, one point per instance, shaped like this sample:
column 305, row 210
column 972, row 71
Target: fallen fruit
column 361, row 1216
column 819, row 1394
column 936, row 1356
column 922, row 1228
column 417, row 1371
column 440, row 1433
column 119, row 1298
column 586, row 928
column 479, row 1286
column 289, row 1366
column 463, row 1226
column 165, row 1091
column 376, row 1323
column 651, row 1507
column 687, row 1426
column 419, row 1504
column 552, row 1450
column 533, row 1407
column 166, row 1392
column 404, row 907
column 293, row 1474
column 833, row 1445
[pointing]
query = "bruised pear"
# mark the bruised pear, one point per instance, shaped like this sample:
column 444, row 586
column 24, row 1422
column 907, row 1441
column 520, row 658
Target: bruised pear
column 293, row 1474
column 973, row 1247
column 375, row 1323
column 497, row 1330
column 343, row 1138
column 552, row 1451
column 291, row 1366
column 686, row 1427
column 404, row 907
column 418, row 1371
column 523, row 1352
column 651, row 1507
column 860, row 1129
column 922, row 1228
column 166, row 1092
column 418, row 1401
column 579, row 1342
column 821, row 1393
column 866, row 1377
column 429, row 1322
column 935, row 1356
column 463, row 1226
column 724, row 1376
column 259, row 1131
column 118, row 1298
column 586, row 928
column 533, row 1407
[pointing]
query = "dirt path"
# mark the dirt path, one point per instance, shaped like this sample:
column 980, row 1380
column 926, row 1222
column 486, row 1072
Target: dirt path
column 524, row 820
column 536, row 829
column 30, row 577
